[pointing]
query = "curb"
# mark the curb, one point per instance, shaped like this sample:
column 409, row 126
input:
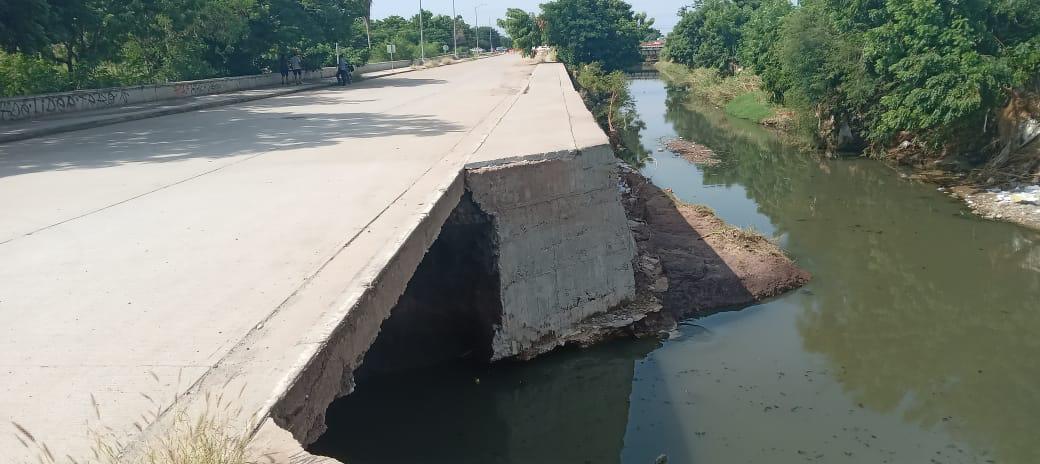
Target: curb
column 148, row 114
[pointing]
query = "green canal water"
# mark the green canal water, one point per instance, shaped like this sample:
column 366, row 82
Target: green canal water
column 918, row 340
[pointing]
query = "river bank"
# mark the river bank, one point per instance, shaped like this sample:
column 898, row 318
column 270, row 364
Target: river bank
column 992, row 190
column 695, row 264
column 689, row 262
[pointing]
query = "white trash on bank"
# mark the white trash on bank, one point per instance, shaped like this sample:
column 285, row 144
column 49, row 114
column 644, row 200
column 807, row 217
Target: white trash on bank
column 1023, row 195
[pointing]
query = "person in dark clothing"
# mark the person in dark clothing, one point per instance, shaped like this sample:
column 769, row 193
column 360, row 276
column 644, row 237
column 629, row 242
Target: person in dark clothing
column 343, row 72
column 283, row 67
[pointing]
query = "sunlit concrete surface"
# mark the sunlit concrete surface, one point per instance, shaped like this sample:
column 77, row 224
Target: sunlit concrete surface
column 135, row 257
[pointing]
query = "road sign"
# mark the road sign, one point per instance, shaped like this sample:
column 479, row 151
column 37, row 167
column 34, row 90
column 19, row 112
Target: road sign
column 391, row 48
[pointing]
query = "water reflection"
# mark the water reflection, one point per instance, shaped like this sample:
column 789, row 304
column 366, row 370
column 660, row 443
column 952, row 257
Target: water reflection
column 920, row 310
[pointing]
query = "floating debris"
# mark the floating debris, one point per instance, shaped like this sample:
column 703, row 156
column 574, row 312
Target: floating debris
column 692, row 152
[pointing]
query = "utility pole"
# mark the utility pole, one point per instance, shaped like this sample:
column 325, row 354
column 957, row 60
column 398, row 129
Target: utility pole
column 368, row 32
column 491, row 35
column 476, row 21
column 368, row 17
column 422, row 40
column 454, row 31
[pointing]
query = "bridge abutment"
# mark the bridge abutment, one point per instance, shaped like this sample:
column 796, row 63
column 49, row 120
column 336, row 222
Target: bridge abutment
column 528, row 241
column 565, row 250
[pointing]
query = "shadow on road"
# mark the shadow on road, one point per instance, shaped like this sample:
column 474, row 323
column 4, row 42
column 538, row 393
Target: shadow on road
column 383, row 82
column 226, row 131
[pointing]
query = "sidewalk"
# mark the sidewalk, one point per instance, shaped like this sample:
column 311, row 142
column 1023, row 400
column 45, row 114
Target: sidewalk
column 88, row 119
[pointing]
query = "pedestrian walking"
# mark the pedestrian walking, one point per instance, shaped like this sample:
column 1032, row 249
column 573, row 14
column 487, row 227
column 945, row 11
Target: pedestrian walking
column 283, row 68
column 296, row 64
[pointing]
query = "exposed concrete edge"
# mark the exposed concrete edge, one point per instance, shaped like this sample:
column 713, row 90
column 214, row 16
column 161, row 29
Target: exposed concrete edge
column 297, row 388
column 529, row 158
column 275, row 445
column 382, row 281
column 313, row 350
column 326, row 369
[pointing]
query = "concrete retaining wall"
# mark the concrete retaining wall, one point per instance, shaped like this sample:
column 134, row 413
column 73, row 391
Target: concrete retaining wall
column 35, row 106
column 565, row 250
column 384, row 66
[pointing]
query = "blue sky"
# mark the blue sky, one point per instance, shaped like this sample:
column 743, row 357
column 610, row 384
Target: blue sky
column 663, row 10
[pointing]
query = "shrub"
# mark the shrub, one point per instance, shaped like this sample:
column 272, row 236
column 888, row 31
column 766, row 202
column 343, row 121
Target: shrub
column 22, row 74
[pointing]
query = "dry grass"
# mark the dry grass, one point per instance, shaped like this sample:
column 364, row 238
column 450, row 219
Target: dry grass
column 208, row 437
column 546, row 56
column 438, row 61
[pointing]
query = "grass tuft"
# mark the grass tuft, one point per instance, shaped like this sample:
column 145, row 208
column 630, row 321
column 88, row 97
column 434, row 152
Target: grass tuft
column 740, row 95
column 753, row 106
column 209, row 437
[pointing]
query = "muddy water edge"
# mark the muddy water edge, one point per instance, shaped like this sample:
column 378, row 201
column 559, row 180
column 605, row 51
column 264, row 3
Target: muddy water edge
column 915, row 342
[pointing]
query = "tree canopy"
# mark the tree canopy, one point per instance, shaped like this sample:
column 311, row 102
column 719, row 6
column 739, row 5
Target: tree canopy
column 110, row 42
column 587, row 31
column 931, row 68
column 524, row 29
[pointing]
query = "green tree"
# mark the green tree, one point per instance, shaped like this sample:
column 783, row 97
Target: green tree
column 587, row 31
column 22, row 74
column 759, row 47
column 523, row 28
column 708, row 35
column 940, row 65
column 114, row 42
column 24, row 25
column 645, row 25
column 608, row 97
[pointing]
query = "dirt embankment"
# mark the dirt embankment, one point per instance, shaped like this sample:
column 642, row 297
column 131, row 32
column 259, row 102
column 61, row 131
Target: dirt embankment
column 695, row 264
column 689, row 263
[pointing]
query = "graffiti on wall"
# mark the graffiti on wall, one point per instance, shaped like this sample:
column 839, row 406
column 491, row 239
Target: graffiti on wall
column 191, row 89
column 13, row 109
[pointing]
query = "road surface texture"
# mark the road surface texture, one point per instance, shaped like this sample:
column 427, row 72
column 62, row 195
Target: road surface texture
column 135, row 257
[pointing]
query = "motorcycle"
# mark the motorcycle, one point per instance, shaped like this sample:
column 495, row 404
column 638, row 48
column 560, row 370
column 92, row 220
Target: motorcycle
column 345, row 77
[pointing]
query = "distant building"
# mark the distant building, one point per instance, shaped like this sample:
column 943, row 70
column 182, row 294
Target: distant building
column 651, row 51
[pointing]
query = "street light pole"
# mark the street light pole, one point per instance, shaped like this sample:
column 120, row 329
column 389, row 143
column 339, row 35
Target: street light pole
column 454, row 31
column 422, row 40
column 491, row 35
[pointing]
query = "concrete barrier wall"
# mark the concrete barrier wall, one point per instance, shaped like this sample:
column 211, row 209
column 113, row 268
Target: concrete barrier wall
column 35, row 106
column 383, row 66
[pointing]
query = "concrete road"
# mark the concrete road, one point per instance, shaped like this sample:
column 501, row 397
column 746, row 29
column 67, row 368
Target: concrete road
column 134, row 257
